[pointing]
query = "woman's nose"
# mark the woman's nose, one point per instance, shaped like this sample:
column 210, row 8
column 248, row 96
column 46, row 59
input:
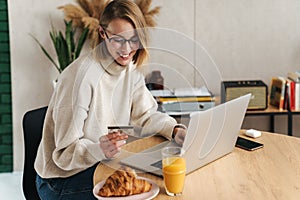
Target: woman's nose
column 126, row 47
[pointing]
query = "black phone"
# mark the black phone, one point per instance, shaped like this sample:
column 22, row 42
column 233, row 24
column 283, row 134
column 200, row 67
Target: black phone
column 247, row 144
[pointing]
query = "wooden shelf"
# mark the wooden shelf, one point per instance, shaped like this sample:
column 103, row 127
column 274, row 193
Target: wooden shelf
column 272, row 111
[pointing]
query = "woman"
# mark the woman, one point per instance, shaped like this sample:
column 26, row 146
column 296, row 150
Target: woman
column 102, row 89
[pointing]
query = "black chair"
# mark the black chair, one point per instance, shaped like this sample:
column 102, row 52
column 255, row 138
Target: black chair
column 33, row 122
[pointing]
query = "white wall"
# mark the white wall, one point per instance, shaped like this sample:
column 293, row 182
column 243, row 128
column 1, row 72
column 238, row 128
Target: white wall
column 246, row 39
column 32, row 73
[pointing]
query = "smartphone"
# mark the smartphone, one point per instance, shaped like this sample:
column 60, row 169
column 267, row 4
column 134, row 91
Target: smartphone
column 247, row 144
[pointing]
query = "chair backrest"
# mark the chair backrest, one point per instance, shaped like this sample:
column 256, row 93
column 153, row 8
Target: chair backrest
column 33, row 122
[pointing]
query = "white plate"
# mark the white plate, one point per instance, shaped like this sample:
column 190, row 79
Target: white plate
column 145, row 196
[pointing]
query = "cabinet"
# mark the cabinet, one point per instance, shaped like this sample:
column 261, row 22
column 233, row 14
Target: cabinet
column 272, row 112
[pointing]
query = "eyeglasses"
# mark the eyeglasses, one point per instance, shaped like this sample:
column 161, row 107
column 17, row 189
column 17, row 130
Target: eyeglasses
column 118, row 41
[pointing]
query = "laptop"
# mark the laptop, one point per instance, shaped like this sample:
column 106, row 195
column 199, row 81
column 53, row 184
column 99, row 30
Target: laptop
column 211, row 134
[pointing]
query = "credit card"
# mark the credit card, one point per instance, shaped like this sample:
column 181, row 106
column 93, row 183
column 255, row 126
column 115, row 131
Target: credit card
column 127, row 129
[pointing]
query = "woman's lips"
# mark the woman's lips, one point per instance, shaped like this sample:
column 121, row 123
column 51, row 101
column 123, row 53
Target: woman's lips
column 124, row 55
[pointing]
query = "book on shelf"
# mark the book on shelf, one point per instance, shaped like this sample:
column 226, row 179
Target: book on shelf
column 185, row 106
column 277, row 93
column 294, row 78
column 171, row 99
column 184, row 100
column 289, row 95
column 285, row 92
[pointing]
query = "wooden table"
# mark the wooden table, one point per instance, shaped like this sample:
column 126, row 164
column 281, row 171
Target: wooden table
column 270, row 173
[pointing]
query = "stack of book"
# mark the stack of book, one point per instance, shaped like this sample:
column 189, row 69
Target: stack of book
column 285, row 92
column 294, row 85
column 184, row 100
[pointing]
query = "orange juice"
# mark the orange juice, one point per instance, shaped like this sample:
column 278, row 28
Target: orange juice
column 174, row 173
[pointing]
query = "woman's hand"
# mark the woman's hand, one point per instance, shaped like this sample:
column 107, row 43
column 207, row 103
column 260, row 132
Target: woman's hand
column 179, row 134
column 112, row 143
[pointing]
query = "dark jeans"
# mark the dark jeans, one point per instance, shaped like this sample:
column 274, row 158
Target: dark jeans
column 78, row 186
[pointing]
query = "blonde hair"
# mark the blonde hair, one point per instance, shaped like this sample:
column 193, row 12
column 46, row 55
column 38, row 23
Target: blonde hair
column 128, row 10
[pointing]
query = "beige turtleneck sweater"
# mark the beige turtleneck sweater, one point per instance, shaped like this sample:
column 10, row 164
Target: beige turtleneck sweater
column 89, row 97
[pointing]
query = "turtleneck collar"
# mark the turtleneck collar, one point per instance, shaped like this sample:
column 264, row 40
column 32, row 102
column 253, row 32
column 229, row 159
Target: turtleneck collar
column 112, row 67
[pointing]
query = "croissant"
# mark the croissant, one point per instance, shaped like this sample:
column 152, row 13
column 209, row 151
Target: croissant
column 124, row 182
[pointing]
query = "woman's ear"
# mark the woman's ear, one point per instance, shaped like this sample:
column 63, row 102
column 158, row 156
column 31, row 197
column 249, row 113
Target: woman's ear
column 101, row 32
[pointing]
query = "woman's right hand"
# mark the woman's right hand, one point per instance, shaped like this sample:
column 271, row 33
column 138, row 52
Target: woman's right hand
column 112, row 142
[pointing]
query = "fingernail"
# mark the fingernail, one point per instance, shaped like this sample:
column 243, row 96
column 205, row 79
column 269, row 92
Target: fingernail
column 123, row 142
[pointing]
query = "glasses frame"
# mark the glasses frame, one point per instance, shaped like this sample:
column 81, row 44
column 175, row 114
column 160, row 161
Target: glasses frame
column 124, row 40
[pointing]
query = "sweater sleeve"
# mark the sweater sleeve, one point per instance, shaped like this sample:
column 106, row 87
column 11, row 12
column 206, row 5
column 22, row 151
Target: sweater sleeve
column 73, row 150
column 76, row 146
column 144, row 113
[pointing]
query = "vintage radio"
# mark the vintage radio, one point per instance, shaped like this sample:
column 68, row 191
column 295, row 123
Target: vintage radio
column 259, row 90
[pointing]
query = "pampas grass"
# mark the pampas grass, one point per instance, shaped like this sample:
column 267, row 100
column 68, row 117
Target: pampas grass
column 148, row 14
column 87, row 14
column 93, row 25
column 75, row 14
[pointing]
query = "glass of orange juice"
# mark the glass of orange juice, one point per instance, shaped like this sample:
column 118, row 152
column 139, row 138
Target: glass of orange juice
column 173, row 168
